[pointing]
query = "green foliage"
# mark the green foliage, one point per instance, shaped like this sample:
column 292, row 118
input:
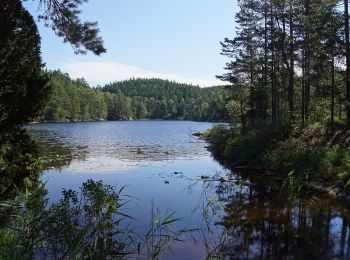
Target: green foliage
column 218, row 136
column 315, row 152
column 88, row 224
column 19, row 163
column 272, row 39
column 62, row 16
column 329, row 164
column 161, row 234
column 9, row 245
column 84, row 225
column 249, row 148
column 294, row 184
column 303, row 155
column 23, row 88
column 74, row 100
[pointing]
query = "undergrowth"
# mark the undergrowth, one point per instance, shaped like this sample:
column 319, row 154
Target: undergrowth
column 311, row 151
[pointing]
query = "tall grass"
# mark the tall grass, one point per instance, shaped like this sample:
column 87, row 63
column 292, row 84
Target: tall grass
column 89, row 224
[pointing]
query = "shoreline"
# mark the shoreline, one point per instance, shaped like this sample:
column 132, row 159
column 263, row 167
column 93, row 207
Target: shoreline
column 333, row 192
column 121, row 120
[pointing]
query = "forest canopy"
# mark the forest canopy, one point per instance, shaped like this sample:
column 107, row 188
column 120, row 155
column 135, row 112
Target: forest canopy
column 287, row 59
column 74, row 100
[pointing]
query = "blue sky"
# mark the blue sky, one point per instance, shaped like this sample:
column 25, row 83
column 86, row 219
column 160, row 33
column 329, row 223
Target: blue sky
column 174, row 39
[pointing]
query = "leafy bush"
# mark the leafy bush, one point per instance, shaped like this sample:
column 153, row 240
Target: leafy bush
column 247, row 149
column 88, row 224
column 84, row 225
column 309, row 153
column 19, row 162
column 218, row 136
column 9, row 248
column 303, row 152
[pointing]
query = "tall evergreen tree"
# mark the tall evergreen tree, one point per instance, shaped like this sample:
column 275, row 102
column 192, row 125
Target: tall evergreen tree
column 292, row 64
column 347, row 57
column 63, row 17
column 23, row 88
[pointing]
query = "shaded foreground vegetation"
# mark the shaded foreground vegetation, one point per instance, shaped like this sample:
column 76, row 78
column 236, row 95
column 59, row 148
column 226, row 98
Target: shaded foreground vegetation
column 241, row 215
column 23, row 92
column 89, row 224
column 20, row 165
column 310, row 157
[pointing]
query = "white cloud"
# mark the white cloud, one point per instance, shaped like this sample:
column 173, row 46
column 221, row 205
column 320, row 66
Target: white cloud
column 102, row 72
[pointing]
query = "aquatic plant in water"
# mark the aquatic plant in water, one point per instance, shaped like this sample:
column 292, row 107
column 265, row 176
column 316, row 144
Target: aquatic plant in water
column 88, row 224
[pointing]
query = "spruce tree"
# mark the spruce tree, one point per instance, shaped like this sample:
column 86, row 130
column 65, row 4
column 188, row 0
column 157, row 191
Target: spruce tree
column 23, row 87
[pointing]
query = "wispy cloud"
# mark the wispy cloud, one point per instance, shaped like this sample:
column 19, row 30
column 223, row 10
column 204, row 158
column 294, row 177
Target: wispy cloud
column 102, row 72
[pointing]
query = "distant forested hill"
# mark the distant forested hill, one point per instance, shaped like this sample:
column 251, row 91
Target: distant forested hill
column 74, row 100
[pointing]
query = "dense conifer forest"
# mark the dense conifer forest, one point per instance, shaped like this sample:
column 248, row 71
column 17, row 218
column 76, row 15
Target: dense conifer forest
column 289, row 69
column 286, row 101
column 287, row 62
column 74, row 100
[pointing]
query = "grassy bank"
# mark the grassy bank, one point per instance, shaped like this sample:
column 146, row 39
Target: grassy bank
column 308, row 156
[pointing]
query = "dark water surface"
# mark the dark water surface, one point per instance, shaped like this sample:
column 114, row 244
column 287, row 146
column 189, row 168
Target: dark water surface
column 236, row 216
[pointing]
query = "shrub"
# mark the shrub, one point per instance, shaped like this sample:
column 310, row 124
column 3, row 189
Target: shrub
column 9, row 247
column 309, row 153
column 287, row 148
column 249, row 148
column 19, row 162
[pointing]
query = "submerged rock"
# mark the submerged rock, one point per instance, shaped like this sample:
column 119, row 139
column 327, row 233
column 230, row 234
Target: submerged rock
column 198, row 134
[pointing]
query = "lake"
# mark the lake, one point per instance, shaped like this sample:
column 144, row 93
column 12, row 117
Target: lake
column 230, row 214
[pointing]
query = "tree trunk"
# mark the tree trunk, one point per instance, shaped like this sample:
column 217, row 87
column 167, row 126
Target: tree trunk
column 333, row 93
column 242, row 117
column 273, row 70
column 252, row 110
column 291, row 63
column 303, row 90
column 347, row 44
column 265, row 52
column 307, row 65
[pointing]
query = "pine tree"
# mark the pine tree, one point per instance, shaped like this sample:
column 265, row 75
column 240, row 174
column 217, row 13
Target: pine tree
column 23, row 88
column 347, row 57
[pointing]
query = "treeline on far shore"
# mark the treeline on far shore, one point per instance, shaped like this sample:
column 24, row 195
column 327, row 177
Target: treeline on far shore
column 74, row 101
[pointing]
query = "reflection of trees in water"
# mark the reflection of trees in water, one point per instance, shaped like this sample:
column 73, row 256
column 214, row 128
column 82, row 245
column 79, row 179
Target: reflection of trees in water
column 55, row 156
column 59, row 148
column 260, row 222
column 208, row 211
column 53, row 152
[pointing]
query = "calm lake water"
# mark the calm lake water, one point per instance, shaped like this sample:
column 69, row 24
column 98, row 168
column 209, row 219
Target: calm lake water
column 235, row 216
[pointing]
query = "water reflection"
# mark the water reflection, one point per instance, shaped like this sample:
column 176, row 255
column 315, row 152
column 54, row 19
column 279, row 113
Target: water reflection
column 114, row 143
column 260, row 222
column 234, row 215
column 54, row 153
